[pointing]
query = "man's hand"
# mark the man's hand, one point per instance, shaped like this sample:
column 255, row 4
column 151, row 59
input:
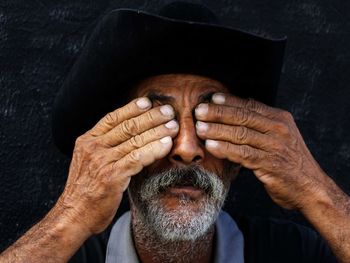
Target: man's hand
column 265, row 140
column 106, row 157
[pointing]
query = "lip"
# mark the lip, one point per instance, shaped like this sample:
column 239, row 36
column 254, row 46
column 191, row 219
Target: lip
column 189, row 191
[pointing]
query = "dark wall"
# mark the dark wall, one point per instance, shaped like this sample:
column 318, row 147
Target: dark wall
column 39, row 41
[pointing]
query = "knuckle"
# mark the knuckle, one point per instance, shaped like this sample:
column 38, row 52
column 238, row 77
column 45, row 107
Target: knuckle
column 153, row 132
column 218, row 112
column 277, row 147
column 85, row 147
column 150, row 116
column 256, row 106
column 216, row 129
column 84, row 139
column 119, row 152
column 91, row 147
column 245, row 152
column 241, row 134
column 282, row 128
column 242, row 115
column 130, row 127
column 252, row 104
column 286, row 115
column 137, row 141
column 80, row 140
column 134, row 157
column 227, row 147
column 111, row 118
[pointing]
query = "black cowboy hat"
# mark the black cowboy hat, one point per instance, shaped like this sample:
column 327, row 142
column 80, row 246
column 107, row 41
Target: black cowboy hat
column 129, row 45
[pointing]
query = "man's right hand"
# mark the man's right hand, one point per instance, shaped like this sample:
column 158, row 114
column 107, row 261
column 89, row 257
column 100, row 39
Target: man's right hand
column 105, row 158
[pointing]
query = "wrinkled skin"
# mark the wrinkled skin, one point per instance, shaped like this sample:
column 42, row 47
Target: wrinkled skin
column 106, row 157
column 265, row 140
column 223, row 128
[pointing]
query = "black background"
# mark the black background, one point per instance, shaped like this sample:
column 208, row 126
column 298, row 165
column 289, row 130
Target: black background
column 39, row 41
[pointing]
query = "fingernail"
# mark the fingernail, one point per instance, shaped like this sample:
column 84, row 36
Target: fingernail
column 143, row 103
column 202, row 126
column 171, row 124
column 167, row 110
column 211, row 143
column 165, row 140
column 202, row 109
column 218, row 98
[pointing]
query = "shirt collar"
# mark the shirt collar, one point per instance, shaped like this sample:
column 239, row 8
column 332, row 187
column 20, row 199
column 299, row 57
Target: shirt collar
column 229, row 245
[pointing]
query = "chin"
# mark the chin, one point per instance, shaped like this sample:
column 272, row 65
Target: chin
column 181, row 219
column 178, row 204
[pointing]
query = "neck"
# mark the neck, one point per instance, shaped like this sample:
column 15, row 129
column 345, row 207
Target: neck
column 153, row 248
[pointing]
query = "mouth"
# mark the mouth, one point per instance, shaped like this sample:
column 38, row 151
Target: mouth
column 185, row 184
column 185, row 189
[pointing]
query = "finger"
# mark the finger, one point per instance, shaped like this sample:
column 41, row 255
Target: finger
column 245, row 155
column 171, row 129
column 137, row 125
column 249, row 104
column 233, row 115
column 112, row 119
column 239, row 135
column 136, row 160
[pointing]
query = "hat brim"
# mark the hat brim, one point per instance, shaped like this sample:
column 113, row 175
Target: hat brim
column 129, row 45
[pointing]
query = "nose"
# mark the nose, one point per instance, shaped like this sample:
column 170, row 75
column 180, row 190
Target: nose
column 187, row 148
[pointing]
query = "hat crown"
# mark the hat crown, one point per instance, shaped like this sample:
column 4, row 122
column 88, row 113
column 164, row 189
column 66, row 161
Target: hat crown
column 187, row 11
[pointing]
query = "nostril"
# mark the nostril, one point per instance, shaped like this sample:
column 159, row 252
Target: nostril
column 196, row 158
column 177, row 158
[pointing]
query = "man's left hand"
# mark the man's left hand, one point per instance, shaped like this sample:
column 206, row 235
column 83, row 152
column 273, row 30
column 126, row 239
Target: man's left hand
column 265, row 140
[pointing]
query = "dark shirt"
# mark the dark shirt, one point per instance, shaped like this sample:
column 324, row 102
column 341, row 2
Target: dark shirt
column 265, row 241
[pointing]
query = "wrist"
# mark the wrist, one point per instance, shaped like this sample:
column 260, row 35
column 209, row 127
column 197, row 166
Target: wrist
column 68, row 224
column 314, row 202
column 321, row 198
column 57, row 237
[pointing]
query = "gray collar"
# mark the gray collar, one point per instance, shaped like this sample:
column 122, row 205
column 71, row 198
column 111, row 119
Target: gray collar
column 228, row 247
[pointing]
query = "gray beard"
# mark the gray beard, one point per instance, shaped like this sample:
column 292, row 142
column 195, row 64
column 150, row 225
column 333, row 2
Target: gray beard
column 183, row 223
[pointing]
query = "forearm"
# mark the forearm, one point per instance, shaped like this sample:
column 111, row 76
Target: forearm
column 329, row 213
column 54, row 239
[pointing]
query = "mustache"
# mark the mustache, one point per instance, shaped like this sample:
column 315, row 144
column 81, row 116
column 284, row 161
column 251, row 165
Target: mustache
column 185, row 176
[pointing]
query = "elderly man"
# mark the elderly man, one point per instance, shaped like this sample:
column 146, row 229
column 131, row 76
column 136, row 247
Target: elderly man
column 176, row 147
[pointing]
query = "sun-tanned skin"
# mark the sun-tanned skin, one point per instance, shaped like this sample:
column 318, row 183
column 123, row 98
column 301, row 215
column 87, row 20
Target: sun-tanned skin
column 261, row 138
column 183, row 94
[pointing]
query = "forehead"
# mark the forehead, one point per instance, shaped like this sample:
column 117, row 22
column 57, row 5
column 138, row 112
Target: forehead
column 178, row 84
